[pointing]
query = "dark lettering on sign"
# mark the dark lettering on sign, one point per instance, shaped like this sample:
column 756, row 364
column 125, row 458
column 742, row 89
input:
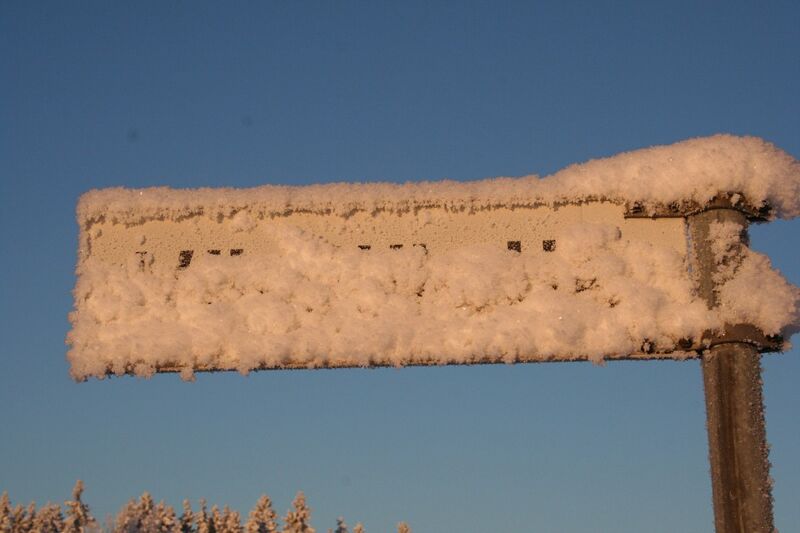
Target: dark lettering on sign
column 141, row 260
column 236, row 251
column 515, row 246
column 549, row 245
column 185, row 258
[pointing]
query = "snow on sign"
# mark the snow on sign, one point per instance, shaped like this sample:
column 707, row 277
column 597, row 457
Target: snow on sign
column 591, row 263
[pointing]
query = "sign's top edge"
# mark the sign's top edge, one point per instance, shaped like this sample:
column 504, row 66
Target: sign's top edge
column 691, row 171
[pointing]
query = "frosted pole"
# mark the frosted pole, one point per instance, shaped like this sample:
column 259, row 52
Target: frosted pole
column 737, row 443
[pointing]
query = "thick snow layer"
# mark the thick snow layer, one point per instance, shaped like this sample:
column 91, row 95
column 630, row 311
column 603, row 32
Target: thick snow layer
column 696, row 169
column 750, row 290
column 308, row 301
column 314, row 304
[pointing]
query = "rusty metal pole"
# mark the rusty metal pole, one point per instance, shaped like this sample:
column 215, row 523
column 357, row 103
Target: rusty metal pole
column 737, row 444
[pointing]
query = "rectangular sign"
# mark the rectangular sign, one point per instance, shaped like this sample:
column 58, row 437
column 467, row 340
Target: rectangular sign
column 430, row 285
column 598, row 261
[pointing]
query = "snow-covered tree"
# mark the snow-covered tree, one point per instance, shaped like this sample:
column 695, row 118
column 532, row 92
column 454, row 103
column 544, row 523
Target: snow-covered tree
column 48, row 520
column 18, row 518
column 201, row 518
column 298, row 520
column 128, row 520
column 341, row 527
column 25, row 525
column 78, row 517
column 149, row 522
column 262, row 518
column 162, row 520
column 402, row 527
column 187, row 518
column 217, row 524
column 232, row 520
column 143, row 516
column 6, row 520
column 146, row 505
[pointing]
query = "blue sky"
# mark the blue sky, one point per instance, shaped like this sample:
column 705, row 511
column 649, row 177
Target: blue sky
column 198, row 94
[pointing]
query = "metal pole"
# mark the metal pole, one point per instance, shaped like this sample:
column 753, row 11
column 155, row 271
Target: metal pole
column 738, row 450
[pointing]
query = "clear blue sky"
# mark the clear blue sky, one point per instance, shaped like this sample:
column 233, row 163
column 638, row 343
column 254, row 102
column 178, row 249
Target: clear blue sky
column 238, row 94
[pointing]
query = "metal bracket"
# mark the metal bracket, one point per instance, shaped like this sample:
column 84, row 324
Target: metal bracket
column 686, row 208
column 744, row 334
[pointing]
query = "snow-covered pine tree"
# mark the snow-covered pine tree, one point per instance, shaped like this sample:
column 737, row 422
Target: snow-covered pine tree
column 149, row 523
column 78, row 517
column 232, row 520
column 26, row 523
column 358, row 528
column 17, row 518
column 402, row 527
column 187, row 518
column 262, row 518
column 162, row 520
column 201, row 518
column 128, row 519
column 298, row 520
column 341, row 527
column 223, row 519
column 145, row 507
column 6, row 520
column 49, row 519
column 156, row 518
column 217, row 524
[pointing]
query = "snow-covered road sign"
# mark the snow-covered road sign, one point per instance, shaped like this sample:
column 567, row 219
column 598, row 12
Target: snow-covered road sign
column 591, row 263
column 642, row 255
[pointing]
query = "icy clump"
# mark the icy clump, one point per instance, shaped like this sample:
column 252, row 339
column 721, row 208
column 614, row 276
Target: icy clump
column 727, row 249
column 749, row 290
